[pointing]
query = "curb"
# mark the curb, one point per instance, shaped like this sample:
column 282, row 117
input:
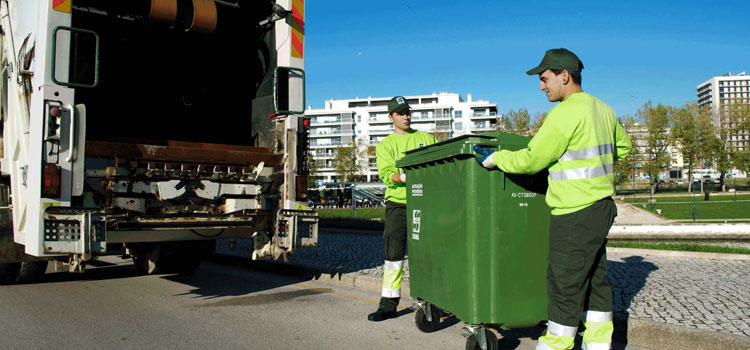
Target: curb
column 630, row 331
column 656, row 335
column 679, row 254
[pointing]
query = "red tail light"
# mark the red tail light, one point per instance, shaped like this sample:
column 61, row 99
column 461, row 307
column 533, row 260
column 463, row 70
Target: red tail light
column 301, row 188
column 51, row 181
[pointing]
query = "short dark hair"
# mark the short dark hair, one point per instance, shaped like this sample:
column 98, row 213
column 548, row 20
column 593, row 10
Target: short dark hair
column 576, row 76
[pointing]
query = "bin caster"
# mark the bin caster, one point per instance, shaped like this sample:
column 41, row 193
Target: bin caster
column 479, row 338
column 427, row 317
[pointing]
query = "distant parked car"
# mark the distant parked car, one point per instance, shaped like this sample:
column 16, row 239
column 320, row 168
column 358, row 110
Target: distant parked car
column 661, row 182
column 671, row 182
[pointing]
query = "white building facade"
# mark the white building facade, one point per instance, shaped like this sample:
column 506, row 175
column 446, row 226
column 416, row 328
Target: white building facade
column 365, row 120
column 717, row 94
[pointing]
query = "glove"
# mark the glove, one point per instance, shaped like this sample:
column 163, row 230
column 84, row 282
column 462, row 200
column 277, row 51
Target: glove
column 484, row 157
column 403, row 178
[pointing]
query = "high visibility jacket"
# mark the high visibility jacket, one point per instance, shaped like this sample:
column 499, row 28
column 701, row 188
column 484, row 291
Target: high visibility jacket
column 392, row 148
column 578, row 143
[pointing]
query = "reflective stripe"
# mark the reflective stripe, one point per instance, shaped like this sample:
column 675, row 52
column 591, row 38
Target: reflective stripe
column 394, row 265
column 393, row 273
column 557, row 329
column 581, row 173
column 586, row 153
column 391, row 293
column 596, row 346
column 542, row 346
column 599, row 316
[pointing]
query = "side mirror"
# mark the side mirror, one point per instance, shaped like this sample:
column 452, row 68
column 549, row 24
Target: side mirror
column 289, row 90
column 75, row 57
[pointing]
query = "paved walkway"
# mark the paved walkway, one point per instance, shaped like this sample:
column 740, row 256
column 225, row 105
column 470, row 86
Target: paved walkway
column 697, row 293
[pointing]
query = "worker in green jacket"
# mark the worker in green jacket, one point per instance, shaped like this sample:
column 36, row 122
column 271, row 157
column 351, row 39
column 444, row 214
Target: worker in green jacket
column 390, row 149
column 578, row 143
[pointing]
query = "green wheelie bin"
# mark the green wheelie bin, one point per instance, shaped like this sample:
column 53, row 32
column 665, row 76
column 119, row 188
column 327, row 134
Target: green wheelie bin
column 477, row 238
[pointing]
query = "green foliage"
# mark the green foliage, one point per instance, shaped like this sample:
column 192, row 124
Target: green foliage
column 623, row 167
column 685, row 135
column 656, row 158
column 350, row 162
column 516, row 122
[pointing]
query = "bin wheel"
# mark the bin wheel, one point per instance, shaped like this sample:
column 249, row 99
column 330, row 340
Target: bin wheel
column 420, row 318
column 472, row 343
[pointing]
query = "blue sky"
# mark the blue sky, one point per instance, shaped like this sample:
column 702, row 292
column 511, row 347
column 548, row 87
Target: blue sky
column 632, row 51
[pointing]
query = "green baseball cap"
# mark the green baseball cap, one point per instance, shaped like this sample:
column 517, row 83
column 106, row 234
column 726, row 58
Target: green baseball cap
column 398, row 104
column 558, row 59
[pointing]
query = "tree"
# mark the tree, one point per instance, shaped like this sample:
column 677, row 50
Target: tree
column 685, row 135
column 516, row 122
column 537, row 124
column 347, row 162
column 625, row 166
column 312, row 171
column 441, row 135
column 656, row 155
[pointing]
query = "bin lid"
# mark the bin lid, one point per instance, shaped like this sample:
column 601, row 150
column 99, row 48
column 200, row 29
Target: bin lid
column 462, row 145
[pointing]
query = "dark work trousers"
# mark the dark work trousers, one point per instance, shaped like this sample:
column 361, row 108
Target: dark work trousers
column 577, row 272
column 394, row 246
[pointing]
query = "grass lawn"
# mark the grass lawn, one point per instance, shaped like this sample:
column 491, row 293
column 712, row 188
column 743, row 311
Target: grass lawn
column 688, row 198
column 362, row 213
column 703, row 210
column 684, row 247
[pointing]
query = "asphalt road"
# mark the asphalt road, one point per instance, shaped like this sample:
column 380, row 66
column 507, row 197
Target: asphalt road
column 219, row 306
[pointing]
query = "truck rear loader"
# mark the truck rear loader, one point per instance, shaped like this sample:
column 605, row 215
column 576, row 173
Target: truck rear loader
column 158, row 126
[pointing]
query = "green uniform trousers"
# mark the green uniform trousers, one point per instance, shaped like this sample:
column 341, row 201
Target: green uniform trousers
column 577, row 276
column 394, row 246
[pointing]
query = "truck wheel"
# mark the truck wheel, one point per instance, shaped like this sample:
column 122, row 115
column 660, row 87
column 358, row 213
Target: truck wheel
column 472, row 343
column 183, row 257
column 9, row 272
column 420, row 318
column 144, row 265
column 32, row 272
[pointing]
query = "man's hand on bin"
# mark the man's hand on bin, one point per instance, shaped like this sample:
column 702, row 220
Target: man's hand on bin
column 485, row 159
column 399, row 179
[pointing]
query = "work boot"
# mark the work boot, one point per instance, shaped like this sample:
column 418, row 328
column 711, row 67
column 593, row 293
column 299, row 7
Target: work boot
column 381, row 315
column 386, row 309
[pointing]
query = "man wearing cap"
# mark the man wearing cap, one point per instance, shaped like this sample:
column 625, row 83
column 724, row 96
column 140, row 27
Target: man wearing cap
column 578, row 143
column 390, row 149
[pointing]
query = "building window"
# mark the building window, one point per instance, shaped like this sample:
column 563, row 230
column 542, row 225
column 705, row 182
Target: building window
column 459, row 114
column 459, row 125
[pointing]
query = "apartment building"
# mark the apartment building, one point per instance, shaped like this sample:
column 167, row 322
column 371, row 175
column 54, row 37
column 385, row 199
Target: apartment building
column 365, row 121
column 718, row 94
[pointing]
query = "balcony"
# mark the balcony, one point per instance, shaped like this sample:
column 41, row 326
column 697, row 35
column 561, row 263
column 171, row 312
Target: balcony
column 329, row 122
column 373, row 120
column 484, row 115
column 416, row 117
column 323, row 155
column 381, row 131
column 330, row 144
column 330, row 133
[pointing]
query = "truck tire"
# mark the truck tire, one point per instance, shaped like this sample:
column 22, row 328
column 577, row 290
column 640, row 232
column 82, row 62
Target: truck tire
column 9, row 272
column 183, row 257
column 32, row 272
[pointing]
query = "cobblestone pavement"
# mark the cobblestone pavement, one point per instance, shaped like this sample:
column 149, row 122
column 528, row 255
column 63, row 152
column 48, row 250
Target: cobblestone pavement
column 697, row 293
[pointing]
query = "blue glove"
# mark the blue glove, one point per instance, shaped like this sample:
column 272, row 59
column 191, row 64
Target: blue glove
column 484, row 157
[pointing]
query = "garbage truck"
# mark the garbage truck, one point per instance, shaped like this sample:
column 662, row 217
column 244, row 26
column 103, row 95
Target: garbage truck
column 151, row 126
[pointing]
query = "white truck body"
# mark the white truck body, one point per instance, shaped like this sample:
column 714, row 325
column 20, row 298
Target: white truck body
column 142, row 122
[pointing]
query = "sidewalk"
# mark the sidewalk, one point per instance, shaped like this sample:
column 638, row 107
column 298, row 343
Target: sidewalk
column 661, row 300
